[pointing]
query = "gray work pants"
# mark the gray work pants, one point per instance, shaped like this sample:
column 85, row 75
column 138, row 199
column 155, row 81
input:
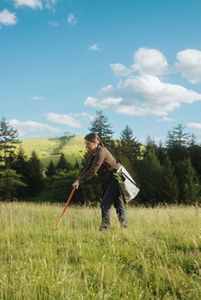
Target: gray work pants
column 112, row 196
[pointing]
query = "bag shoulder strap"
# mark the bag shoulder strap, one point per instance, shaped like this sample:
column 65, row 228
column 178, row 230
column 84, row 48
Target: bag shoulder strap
column 129, row 178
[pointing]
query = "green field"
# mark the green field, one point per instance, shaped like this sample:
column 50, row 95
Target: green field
column 157, row 257
column 49, row 148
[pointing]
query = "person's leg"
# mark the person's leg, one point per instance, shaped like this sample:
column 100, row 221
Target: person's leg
column 120, row 208
column 121, row 212
column 106, row 203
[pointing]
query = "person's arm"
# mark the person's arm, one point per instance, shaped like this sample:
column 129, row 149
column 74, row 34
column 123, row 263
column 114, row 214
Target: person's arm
column 89, row 164
column 97, row 162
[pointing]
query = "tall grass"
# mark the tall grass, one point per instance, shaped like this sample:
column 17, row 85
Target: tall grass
column 157, row 257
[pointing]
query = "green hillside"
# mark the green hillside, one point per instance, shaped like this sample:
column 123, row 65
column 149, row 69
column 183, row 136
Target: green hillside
column 50, row 148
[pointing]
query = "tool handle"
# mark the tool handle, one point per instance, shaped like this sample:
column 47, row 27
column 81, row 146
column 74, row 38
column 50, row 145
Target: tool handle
column 66, row 206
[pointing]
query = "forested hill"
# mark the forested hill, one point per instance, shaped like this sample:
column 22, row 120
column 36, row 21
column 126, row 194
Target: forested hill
column 169, row 173
column 50, row 148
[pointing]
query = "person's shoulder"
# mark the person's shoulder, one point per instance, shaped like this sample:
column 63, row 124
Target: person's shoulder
column 100, row 149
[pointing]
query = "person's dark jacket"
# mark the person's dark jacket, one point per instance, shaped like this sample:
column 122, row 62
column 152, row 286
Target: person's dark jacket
column 101, row 159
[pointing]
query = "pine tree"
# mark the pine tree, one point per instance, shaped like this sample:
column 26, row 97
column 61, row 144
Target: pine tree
column 101, row 126
column 10, row 182
column 151, row 145
column 63, row 164
column 195, row 155
column 177, row 143
column 21, row 166
column 169, row 185
column 8, row 141
column 61, row 186
column 130, row 147
column 178, row 137
column 35, row 176
column 162, row 153
column 150, row 171
column 50, row 171
column 20, row 163
column 189, row 183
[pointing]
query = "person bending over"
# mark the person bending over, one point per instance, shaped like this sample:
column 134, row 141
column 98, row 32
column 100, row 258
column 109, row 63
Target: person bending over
column 105, row 165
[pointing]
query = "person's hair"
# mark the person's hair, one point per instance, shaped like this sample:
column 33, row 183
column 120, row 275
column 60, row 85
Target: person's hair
column 94, row 138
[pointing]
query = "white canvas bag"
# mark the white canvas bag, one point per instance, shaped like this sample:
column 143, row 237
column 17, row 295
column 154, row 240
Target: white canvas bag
column 127, row 184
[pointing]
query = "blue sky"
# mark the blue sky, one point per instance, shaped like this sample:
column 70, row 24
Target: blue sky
column 139, row 61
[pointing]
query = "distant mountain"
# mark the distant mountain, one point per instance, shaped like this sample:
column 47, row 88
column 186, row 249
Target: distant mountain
column 50, row 148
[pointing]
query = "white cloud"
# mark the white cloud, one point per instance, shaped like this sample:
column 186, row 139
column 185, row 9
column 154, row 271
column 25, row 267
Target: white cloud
column 95, row 47
column 54, row 24
column 7, row 18
column 64, row 119
column 24, row 127
column 143, row 95
column 50, row 4
column 106, row 89
column 84, row 116
column 104, row 103
column 150, row 61
column 147, row 94
column 71, row 19
column 121, row 70
column 146, row 61
column 34, row 4
column 194, row 125
column 189, row 64
column 37, row 98
column 166, row 119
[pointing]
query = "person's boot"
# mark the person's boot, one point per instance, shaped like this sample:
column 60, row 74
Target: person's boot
column 123, row 225
column 103, row 227
column 123, row 222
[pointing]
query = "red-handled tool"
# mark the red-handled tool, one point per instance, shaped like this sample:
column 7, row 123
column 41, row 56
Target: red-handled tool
column 66, row 206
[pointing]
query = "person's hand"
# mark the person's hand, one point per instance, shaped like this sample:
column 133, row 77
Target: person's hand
column 76, row 184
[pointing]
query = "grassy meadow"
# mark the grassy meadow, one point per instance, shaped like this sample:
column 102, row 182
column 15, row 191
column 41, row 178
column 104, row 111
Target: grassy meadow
column 157, row 257
column 50, row 148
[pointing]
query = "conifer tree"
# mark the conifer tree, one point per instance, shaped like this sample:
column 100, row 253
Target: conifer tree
column 101, row 126
column 169, row 185
column 177, row 143
column 151, row 145
column 162, row 153
column 10, row 182
column 61, row 186
column 195, row 155
column 50, row 171
column 177, row 136
column 130, row 147
column 63, row 164
column 150, row 171
column 20, row 163
column 8, row 141
column 189, row 183
column 35, row 175
column 21, row 166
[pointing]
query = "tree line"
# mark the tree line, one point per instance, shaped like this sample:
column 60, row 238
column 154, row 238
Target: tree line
column 166, row 173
